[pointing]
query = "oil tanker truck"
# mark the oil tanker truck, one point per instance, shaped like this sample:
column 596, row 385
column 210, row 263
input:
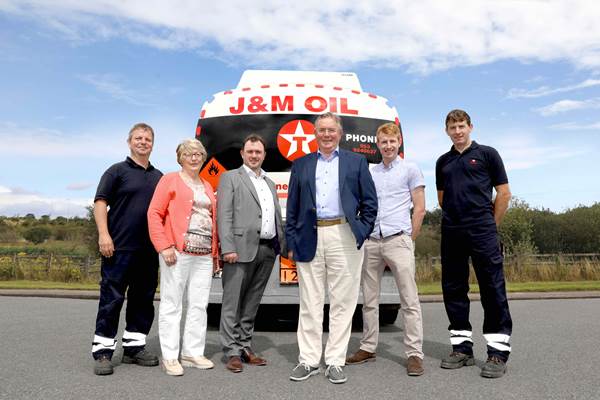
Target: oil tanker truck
column 281, row 106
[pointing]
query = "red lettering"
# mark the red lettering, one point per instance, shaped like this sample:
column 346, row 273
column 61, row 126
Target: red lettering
column 256, row 104
column 333, row 104
column 239, row 108
column 344, row 109
column 278, row 105
column 281, row 186
column 309, row 104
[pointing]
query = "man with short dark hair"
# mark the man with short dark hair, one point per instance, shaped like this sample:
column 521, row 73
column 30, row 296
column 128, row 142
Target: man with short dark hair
column 129, row 261
column 251, row 235
column 466, row 177
column 331, row 209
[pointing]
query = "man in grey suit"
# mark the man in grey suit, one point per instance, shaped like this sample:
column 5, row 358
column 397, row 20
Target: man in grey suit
column 251, row 235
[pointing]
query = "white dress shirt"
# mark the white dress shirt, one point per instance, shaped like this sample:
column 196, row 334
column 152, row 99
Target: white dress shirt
column 267, row 203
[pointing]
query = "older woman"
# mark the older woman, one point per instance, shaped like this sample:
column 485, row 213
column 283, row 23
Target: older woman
column 182, row 224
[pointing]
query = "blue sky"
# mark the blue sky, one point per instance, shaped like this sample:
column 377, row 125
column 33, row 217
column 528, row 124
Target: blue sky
column 74, row 76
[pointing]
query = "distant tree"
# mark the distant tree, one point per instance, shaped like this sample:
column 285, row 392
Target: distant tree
column 90, row 233
column 428, row 242
column 548, row 231
column 434, row 219
column 37, row 234
column 516, row 229
column 581, row 229
column 8, row 234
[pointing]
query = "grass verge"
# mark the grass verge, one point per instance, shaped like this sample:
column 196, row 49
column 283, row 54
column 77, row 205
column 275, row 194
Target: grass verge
column 26, row 284
column 551, row 286
column 424, row 288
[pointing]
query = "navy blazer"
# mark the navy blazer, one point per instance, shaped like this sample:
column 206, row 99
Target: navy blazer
column 357, row 192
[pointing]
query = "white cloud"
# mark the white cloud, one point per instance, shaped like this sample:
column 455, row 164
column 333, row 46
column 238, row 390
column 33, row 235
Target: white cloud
column 568, row 105
column 18, row 140
column 14, row 203
column 545, row 90
column 575, row 126
column 422, row 36
column 79, row 186
column 110, row 85
column 522, row 150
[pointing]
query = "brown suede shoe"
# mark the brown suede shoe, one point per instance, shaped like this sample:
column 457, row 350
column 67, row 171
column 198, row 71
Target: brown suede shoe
column 360, row 357
column 234, row 364
column 249, row 357
column 414, row 366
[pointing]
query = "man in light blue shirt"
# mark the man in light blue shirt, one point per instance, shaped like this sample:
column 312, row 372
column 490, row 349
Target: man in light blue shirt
column 399, row 185
column 329, row 202
column 331, row 209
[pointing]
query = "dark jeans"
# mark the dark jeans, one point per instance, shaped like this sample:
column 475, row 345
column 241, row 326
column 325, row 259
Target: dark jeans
column 481, row 244
column 134, row 272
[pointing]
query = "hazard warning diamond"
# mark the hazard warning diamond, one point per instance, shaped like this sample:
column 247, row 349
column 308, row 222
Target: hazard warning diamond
column 212, row 171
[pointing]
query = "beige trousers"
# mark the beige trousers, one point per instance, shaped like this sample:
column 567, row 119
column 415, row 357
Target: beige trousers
column 337, row 263
column 398, row 253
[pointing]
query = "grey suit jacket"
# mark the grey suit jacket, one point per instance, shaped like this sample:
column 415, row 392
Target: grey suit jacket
column 239, row 215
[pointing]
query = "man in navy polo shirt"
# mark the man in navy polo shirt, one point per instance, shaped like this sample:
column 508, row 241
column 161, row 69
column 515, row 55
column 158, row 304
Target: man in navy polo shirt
column 465, row 179
column 129, row 261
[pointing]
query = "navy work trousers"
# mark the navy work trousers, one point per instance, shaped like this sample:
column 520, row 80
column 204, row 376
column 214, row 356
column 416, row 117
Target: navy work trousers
column 134, row 272
column 481, row 245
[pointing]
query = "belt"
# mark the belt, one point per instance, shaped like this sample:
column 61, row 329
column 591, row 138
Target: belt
column 330, row 222
column 388, row 236
column 266, row 242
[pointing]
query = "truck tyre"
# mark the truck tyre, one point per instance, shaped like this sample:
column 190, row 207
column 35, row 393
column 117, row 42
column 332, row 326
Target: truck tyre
column 388, row 313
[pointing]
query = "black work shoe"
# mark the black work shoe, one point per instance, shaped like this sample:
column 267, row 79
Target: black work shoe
column 456, row 360
column 142, row 357
column 103, row 365
column 494, row 367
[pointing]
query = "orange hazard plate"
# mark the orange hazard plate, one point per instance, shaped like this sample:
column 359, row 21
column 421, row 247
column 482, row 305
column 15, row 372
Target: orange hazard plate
column 287, row 272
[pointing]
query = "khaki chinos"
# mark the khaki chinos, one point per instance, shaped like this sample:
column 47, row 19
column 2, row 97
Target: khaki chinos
column 337, row 261
column 397, row 252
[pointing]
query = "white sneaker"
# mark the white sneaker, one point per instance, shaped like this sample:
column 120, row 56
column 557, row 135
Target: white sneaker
column 199, row 362
column 172, row 367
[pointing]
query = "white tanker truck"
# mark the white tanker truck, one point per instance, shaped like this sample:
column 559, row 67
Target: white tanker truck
column 281, row 107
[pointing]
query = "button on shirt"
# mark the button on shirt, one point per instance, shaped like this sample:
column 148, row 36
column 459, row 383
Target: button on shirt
column 327, row 184
column 394, row 184
column 267, row 203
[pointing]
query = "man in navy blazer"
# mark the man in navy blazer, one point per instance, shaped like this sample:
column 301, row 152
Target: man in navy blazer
column 331, row 210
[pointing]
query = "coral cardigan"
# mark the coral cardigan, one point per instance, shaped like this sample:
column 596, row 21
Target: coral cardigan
column 170, row 210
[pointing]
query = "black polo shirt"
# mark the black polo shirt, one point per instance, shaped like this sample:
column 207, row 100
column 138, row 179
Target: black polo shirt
column 467, row 180
column 127, row 188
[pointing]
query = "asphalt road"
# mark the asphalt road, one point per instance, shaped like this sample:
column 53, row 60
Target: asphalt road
column 45, row 354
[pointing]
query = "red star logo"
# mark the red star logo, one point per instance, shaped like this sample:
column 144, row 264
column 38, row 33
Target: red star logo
column 296, row 138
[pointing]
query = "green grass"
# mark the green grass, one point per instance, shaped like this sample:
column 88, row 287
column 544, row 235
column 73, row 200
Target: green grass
column 564, row 286
column 48, row 285
column 424, row 288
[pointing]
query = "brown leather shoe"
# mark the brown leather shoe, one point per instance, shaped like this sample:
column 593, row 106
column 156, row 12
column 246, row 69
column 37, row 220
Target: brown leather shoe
column 360, row 357
column 234, row 364
column 249, row 357
column 414, row 366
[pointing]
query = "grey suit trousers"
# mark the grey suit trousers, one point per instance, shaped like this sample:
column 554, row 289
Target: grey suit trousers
column 243, row 287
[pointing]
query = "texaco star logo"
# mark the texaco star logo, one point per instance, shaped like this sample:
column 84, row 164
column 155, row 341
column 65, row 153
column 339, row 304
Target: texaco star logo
column 296, row 138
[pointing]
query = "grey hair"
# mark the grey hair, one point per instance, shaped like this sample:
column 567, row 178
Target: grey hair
column 331, row 115
column 189, row 145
